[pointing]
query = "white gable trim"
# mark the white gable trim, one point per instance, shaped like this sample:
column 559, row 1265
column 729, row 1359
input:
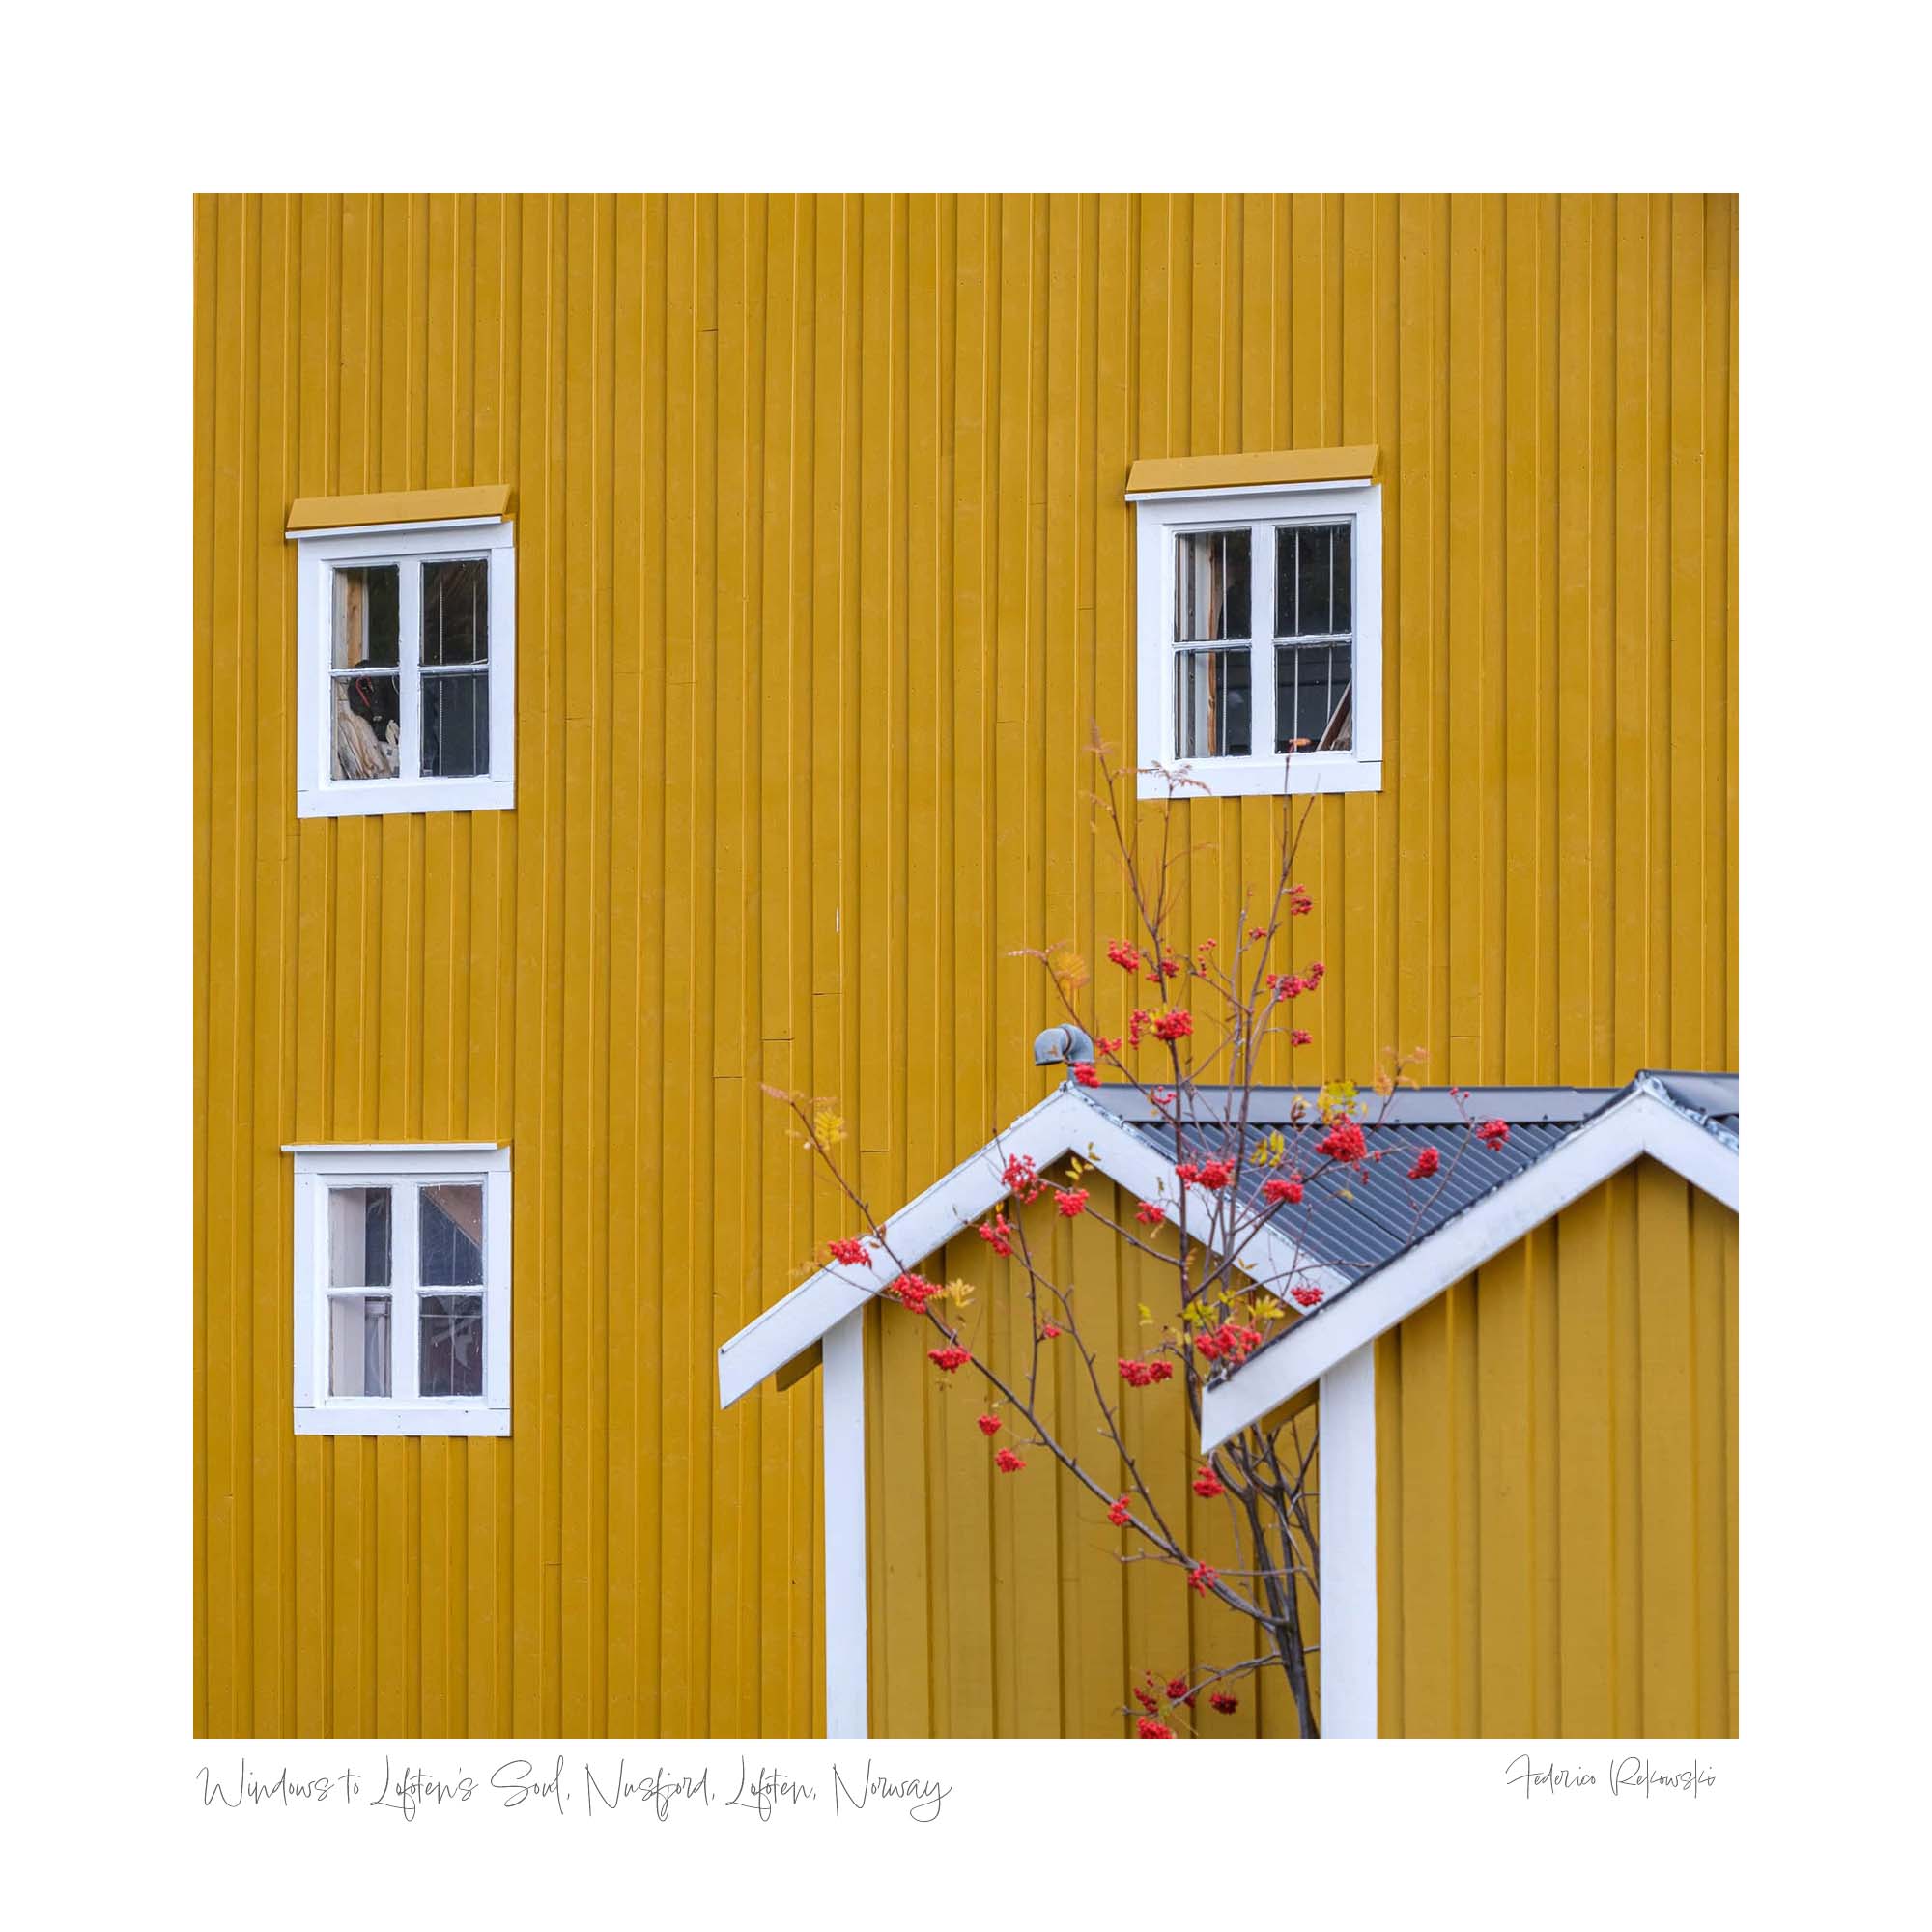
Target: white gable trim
column 1064, row 1123
column 1640, row 1123
column 809, row 1313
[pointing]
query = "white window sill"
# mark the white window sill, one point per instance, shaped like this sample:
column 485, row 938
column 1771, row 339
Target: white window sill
column 1265, row 778
column 390, row 1419
column 366, row 798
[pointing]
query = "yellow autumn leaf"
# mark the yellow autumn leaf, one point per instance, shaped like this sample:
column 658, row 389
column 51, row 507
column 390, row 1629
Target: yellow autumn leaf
column 827, row 1128
column 1069, row 969
column 1269, row 1309
column 1337, row 1096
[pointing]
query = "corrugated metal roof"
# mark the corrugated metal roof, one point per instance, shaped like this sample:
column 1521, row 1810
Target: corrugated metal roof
column 1354, row 1220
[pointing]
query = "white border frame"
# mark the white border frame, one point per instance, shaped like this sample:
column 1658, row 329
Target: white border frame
column 318, row 1169
column 1159, row 516
column 318, row 795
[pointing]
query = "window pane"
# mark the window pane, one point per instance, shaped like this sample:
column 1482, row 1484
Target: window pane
column 1312, row 582
column 1211, row 587
column 452, row 1247
column 1311, row 698
column 367, row 625
column 456, row 611
column 456, row 724
column 358, row 1237
column 368, row 726
column 358, row 1345
column 452, row 1344
column 1210, row 704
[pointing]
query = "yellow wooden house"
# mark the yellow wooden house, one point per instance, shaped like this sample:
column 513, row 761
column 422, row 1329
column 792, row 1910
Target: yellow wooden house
column 646, row 651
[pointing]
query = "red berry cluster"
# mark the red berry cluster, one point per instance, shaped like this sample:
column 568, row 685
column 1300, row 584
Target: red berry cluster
column 1175, row 1024
column 1007, row 1463
column 1120, row 1513
column 1123, row 955
column 1150, row 1212
column 1276, row 1189
column 1086, row 1073
column 1228, row 1340
column 997, row 1232
column 989, row 1425
column 1140, row 1374
column 1493, row 1133
column 1344, row 1141
column 1203, row 1578
column 1207, row 1483
column 1205, row 1173
column 1071, row 1201
column 1305, row 1297
column 1022, row 1178
column 1224, row 1701
column 912, row 1292
column 1426, row 1164
column 951, row 1358
column 851, row 1253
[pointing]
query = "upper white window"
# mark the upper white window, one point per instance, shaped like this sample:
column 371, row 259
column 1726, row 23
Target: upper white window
column 407, row 651
column 401, row 1281
column 1260, row 619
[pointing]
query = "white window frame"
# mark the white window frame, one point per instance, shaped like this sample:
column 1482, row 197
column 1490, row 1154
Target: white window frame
column 404, row 1168
column 319, row 794
column 1163, row 515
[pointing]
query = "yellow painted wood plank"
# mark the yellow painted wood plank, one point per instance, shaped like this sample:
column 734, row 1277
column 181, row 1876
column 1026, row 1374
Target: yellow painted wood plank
column 1422, row 666
column 1690, row 491
column 1504, row 1527
column 1391, row 1539
column 1667, row 1425
column 1429, row 1622
column 1584, row 1458
column 1712, row 1225
column 224, row 1379
column 1578, row 735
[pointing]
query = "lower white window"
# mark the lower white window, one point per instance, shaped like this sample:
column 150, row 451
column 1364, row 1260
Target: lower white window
column 1260, row 637
column 402, row 1283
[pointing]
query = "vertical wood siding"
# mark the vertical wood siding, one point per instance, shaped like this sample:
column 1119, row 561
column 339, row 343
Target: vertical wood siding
column 1002, row 1605
column 824, row 577
column 1557, row 1463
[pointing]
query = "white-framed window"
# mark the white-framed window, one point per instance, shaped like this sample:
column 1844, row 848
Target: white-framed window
column 402, row 1284
column 407, row 657
column 1260, row 624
